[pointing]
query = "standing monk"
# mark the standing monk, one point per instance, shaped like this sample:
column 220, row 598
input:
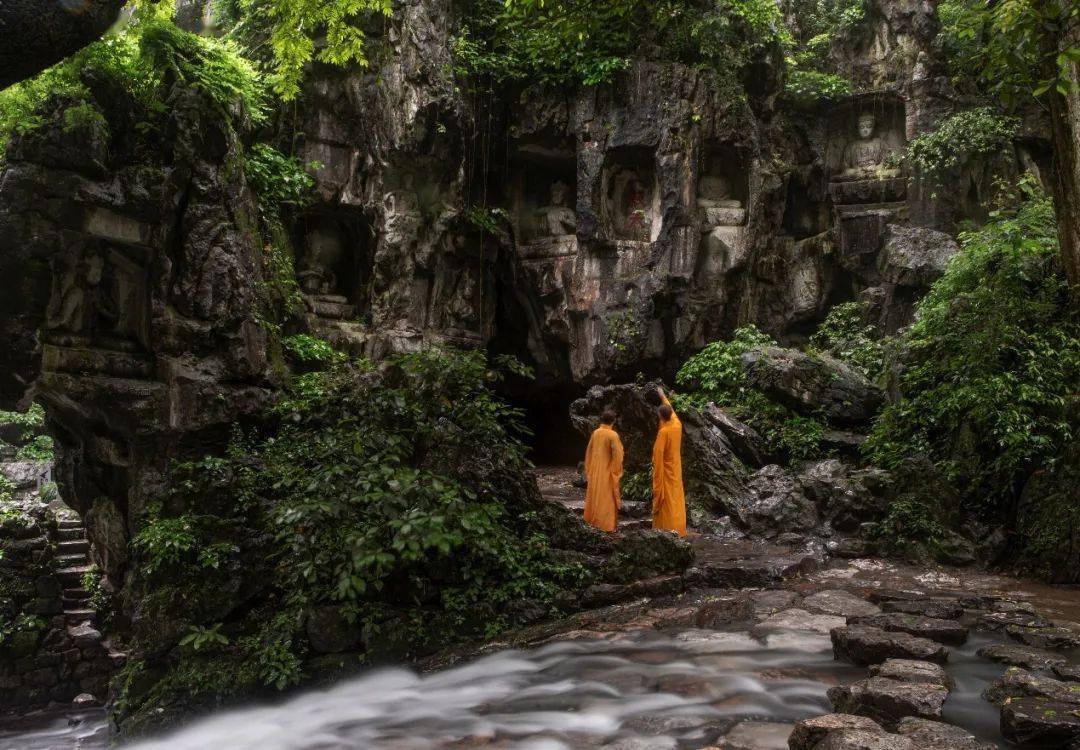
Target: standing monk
column 603, row 470
column 669, row 502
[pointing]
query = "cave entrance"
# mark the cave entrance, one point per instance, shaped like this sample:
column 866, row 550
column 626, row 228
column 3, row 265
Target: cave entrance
column 553, row 440
column 335, row 261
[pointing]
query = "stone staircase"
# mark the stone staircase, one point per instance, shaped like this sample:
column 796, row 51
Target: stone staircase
column 72, row 563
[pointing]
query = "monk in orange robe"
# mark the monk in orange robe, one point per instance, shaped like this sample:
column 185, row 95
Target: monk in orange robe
column 669, row 501
column 603, row 471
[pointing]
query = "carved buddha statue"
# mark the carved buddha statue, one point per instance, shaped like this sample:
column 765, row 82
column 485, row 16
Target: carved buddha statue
column 716, row 203
column 864, row 157
column 556, row 219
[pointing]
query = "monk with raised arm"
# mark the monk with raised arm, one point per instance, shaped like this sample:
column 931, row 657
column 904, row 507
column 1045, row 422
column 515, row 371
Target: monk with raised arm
column 603, row 471
column 669, row 501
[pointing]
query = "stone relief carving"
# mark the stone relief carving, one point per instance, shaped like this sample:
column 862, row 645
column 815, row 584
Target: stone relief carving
column 718, row 205
column 630, row 206
column 97, row 296
column 556, row 219
column 867, row 156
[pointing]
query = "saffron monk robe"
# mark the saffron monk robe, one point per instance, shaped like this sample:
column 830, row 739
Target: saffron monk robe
column 669, row 500
column 603, row 472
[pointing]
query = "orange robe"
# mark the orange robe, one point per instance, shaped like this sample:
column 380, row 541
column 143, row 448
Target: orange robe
column 669, row 501
column 603, row 470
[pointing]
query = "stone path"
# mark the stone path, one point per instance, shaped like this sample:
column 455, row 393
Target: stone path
column 72, row 563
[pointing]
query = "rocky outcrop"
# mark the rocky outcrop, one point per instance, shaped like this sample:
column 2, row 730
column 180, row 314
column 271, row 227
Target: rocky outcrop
column 813, row 384
column 863, row 644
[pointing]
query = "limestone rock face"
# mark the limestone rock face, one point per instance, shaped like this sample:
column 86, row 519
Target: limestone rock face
column 915, row 256
column 813, row 384
column 771, row 503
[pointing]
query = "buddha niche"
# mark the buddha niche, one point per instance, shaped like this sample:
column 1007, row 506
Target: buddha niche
column 865, row 157
column 556, row 219
column 716, row 202
column 636, row 221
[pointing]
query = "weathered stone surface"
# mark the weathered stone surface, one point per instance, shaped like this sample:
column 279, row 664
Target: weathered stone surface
column 863, row 644
column 936, row 735
column 1045, row 638
column 910, row 670
column 799, row 619
column 770, row 601
column 1034, row 722
column 944, row 631
column 942, row 609
column 887, row 701
column 1003, row 620
column 914, row 256
column 813, row 384
column 645, row 554
column 1067, row 672
column 1021, row 656
column 858, row 739
column 771, row 503
column 1018, row 683
column 758, row 735
column 809, row 732
column 845, row 497
column 839, row 602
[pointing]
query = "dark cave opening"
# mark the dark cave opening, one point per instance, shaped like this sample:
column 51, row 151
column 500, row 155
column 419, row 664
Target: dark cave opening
column 552, row 439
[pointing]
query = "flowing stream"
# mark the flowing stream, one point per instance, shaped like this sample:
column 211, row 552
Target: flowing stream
column 640, row 690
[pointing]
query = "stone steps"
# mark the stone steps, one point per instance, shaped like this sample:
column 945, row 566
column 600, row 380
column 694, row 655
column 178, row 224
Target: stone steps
column 71, row 534
column 73, row 547
column 79, row 616
column 72, row 575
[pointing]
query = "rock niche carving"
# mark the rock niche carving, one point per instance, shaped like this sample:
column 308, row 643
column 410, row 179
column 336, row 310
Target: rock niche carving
column 865, row 163
column 721, row 203
column 629, row 208
column 556, row 219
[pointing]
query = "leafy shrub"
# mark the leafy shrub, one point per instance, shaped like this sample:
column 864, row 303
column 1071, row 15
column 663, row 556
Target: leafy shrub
column 844, row 335
column 716, row 374
column 307, row 348
column 909, row 525
column 958, row 138
column 31, row 443
column 280, row 180
column 991, row 362
column 810, row 86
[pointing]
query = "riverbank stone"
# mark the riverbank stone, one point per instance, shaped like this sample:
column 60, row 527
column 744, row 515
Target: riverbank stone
column 911, row 670
column 942, row 631
column 798, row 619
column 863, row 644
column 809, row 732
column 887, row 701
column 942, row 609
column 1034, row 722
column 839, row 602
column 1018, row 683
column 937, row 735
column 1023, row 656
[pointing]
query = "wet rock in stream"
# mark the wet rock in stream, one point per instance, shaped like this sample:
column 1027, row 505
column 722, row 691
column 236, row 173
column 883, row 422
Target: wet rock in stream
column 864, row 644
column 943, row 631
column 887, row 701
column 942, row 609
column 936, row 735
column 1022, row 656
column 840, row 603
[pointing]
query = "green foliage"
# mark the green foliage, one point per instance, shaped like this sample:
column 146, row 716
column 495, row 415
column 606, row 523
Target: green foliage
column 215, row 66
column 572, row 42
column 280, row 180
column 198, row 637
column 909, row 525
column 844, row 335
column 7, row 487
column 23, row 623
column 291, row 34
column 306, row 348
column 715, row 374
column 991, row 362
column 958, row 138
column 810, row 86
column 637, row 487
column 31, row 443
column 389, row 495
column 1014, row 48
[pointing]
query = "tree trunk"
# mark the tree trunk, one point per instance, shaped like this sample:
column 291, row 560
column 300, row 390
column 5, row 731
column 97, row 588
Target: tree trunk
column 1065, row 125
column 35, row 34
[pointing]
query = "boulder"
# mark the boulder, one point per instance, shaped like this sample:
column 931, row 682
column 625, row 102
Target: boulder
column 863, row 644
column 941, row 609
column 914, row 256
column 1019, row 683
column 1035, row 722
column 1067, row 672
column 936, row 735
column 645, row 554
column 1062, row 639
column 845, row 497
column 911, row 670
column 840, row 603
column 1021, row 656
column 809, row 732
column 943, row 631
column 860, row 739
column 1002, row 620
column 813, row 384
column 745, row 441
column 887, row 701
column 770, row 503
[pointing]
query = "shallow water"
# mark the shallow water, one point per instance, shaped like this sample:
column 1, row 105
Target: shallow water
column 632, row 691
